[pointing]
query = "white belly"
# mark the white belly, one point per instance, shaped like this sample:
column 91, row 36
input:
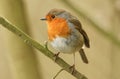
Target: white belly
column 68, row 45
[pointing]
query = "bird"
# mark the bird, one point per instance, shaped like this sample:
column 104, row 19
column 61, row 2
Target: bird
column 66, row 34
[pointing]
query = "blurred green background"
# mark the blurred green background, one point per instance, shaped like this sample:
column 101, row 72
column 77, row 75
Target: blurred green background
column 99, row 18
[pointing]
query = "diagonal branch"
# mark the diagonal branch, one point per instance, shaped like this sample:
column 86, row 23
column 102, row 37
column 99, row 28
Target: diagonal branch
column 28, row 40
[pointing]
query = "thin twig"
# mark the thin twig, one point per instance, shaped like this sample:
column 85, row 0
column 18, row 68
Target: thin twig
column 58, row 73
column 28, row 40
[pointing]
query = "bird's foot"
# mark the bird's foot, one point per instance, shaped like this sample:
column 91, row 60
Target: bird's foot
column 46, row 44
column 56, row 56
column 72, row 68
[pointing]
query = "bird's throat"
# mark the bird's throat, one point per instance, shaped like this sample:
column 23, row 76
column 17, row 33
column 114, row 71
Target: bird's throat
column 58, row 27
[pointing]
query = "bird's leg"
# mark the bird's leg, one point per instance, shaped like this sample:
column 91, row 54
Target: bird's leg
column 46, row 44
column 56, row 55
column 72, row 68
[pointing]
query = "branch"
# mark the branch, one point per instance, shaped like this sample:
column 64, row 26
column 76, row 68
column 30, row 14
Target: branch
column 85, row 15
column 28, row 40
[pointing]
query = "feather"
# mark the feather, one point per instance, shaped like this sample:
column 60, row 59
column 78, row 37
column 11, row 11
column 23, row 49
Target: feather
column 79, row 28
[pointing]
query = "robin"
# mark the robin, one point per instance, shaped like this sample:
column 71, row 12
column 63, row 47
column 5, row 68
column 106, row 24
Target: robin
column 66, row 34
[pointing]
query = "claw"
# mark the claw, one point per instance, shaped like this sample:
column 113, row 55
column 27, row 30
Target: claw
column 56, row 56
column 46, row 45
column 72, row 68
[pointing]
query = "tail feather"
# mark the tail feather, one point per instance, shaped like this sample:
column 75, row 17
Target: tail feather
column 83, row 56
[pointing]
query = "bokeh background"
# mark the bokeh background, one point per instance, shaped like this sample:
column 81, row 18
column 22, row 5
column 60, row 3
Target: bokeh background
column 99, row 18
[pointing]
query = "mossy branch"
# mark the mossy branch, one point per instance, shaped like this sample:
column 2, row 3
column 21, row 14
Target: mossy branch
column 85, row 15
column 28, row 40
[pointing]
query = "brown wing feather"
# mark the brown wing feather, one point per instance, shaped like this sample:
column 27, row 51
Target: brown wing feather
column 79, row 28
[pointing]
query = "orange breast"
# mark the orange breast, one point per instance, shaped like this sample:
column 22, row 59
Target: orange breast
column 58, row 27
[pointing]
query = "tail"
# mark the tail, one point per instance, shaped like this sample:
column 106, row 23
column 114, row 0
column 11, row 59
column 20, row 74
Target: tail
column 83, row 56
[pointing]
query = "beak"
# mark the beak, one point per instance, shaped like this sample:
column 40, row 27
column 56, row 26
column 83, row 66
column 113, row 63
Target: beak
column 44, row 19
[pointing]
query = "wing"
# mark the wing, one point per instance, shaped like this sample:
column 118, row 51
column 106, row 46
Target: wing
column 79, row 28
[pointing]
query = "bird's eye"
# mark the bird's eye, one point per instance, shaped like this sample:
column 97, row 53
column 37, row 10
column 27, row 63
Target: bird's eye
column 53, row 16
